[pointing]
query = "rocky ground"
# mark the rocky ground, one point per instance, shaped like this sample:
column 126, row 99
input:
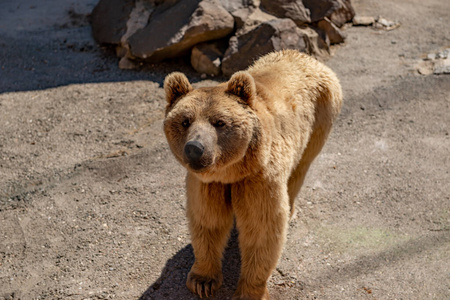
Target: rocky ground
column 92, row 201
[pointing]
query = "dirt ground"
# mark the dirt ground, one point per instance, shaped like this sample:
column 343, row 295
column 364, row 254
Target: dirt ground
column 92, row 202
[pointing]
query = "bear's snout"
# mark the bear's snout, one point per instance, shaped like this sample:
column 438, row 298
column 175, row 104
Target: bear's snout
column 193, row 151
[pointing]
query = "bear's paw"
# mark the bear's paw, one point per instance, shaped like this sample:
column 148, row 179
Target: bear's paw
column 203, row 285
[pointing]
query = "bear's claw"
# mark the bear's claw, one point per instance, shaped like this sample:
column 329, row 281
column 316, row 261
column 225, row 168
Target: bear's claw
column 203, row 285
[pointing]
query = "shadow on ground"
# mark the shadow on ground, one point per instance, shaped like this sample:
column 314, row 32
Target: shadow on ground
column 39, row 52
column 172, row 282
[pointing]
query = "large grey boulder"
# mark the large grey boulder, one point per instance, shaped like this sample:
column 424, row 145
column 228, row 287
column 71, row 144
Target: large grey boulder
column 177, row 29
column 276, row 34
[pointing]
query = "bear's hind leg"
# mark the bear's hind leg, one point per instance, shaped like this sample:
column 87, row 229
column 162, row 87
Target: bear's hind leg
column 210, row 220
column 328, row 106
column 315, row 145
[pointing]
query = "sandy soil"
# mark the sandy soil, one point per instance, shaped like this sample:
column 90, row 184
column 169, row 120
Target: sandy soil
column 92, row 202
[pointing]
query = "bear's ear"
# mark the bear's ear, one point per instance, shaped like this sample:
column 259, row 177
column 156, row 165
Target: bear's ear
column 242, row 84
column 176, row 85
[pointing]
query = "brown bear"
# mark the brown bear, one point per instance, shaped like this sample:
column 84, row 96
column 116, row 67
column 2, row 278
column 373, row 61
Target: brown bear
column 247, row 145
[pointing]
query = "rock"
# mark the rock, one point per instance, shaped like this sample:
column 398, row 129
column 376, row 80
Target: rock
column 233, row 5
column 239, row 9
column 126, row 64
column 207, row 57
column 438, row 55
column 343, row 14
column 177, row 29
column 317, row 45
column 363, row 21
column 338, row 11
column 444, row 54
column 323, row 40
column 382, row 23
column 240, row 16
column 442, row 66
column 437, row 63
column 425, row 67
column 109, row 20
column 430, row 56
column 292, row 9
column 270, row 36
column 138, row 19
column 256, row 18
column 335, row 35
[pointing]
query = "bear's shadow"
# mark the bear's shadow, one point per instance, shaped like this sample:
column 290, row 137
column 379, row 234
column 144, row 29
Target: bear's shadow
column 172, row 282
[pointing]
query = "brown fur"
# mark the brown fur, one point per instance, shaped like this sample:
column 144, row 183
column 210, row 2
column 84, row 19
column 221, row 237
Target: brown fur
column 259, row 132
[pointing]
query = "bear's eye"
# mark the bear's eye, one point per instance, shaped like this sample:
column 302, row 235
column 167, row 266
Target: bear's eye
column 219, row 123
column 186, row 123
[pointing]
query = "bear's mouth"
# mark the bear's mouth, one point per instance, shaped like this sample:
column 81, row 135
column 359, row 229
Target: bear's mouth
column 197, row 166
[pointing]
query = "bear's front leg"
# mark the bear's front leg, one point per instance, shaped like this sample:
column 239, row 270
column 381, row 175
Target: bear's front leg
column 262, row 210
column 210, row 220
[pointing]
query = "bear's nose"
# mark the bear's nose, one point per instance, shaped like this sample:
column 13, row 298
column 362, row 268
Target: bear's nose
column 193, row 150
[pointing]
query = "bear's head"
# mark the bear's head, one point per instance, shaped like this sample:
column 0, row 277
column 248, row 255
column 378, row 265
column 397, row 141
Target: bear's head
column 212, row 130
